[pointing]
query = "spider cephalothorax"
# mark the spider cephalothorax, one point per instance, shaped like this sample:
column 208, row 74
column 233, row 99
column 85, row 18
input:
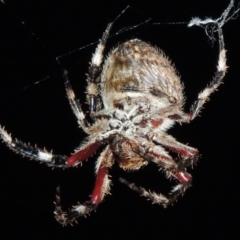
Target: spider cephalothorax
column 133, row 102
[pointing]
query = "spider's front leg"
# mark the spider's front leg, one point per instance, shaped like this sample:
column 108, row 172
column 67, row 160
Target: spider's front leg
column 93, row 75
column 102, row 187
column 214, row 84
column 93, row 81
column 203, row 96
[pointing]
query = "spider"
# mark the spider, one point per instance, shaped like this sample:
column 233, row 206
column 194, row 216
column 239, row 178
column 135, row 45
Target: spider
column 132, row 102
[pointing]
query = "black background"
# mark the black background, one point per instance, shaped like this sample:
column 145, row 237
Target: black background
column 41, row 114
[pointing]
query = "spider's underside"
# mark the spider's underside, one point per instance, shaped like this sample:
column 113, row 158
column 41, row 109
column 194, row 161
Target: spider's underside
column 142, row 97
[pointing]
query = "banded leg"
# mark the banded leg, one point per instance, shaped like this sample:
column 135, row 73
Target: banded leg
column 159, row 156
column 158, row 198
column 74, row 103
column 94, row 73
column 203, row 96
column 86, row 150
column 31, row 152
column 214, row 84
column 93, row 80
column 171, row 168
column 101, row 188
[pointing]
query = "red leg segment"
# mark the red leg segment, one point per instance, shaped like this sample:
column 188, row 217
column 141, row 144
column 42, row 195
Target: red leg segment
column 82, row 154
column 183, row 177
column 100, row 189
column 99, row 185
column 190, row 153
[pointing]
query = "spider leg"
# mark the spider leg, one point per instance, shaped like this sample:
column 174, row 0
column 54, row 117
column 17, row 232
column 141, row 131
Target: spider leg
column 89, row 147
column 154, row 153
column 85, row 151
column 158, row 198
column 31, row 152
column 93, row 76
column 204, row 95
column 214, row 84
column 189, row 155
column 129, row 150
column 158, row 155
column 93, row 81
column 74, row 103
column 101, row 188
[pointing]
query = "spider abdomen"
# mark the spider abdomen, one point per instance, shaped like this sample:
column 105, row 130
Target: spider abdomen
column 136, row 69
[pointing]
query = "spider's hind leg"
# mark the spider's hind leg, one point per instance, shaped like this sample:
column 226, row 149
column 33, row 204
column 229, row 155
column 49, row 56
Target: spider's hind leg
column 158, row 198
column 101, row 188
column 158, row 155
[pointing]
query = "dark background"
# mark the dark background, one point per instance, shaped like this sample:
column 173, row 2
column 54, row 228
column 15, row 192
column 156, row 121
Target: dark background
column 41, row 114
